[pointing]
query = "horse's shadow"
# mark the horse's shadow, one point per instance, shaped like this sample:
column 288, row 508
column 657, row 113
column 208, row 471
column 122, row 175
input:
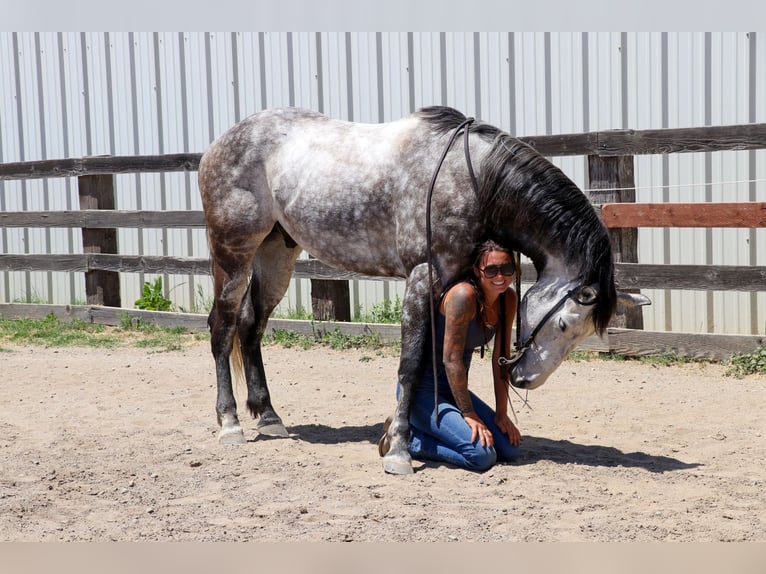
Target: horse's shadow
column 534, row 449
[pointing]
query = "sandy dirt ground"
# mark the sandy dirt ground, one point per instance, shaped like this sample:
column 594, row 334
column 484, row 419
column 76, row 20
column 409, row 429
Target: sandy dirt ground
column 121, row 445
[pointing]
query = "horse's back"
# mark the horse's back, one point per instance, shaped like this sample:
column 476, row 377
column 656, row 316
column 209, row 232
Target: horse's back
column 337, row 188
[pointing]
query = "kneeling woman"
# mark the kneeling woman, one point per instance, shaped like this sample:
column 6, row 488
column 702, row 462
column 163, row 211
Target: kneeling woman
column 469, row 433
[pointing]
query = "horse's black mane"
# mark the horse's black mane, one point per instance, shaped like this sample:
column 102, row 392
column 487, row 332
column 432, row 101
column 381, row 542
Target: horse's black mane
column 518, row 188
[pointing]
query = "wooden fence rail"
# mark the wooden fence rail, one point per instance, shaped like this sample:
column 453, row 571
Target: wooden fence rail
column 610, row 157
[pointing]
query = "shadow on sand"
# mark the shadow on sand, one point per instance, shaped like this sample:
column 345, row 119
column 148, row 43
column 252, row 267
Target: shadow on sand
column 534, row 449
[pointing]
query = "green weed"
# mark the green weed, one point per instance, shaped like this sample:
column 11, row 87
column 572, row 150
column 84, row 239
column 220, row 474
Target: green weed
column 386, row 311
column 152, row 297
column 744, row 364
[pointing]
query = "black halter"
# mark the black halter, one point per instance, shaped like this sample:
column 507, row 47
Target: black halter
column 522, row 347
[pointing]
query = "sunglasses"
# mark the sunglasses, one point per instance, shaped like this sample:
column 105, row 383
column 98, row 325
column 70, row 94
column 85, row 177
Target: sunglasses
column 507, row 269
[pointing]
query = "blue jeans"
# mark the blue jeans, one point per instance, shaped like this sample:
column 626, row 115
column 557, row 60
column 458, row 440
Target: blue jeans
column 450, row 440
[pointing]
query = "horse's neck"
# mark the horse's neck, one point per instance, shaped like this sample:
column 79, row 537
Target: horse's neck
column 551, row 266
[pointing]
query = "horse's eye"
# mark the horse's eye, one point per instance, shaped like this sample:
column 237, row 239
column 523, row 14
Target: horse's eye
column 562, row 325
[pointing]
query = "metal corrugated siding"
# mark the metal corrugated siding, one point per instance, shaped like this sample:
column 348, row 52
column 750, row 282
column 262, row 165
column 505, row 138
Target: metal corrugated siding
column 76, row 94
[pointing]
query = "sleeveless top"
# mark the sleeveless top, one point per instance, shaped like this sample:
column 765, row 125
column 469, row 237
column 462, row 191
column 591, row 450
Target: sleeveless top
column 477, row 336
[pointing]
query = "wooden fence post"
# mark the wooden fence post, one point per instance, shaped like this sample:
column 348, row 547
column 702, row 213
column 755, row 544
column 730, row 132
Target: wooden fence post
column 101, row 287
column 612, row 180
column 330, row 300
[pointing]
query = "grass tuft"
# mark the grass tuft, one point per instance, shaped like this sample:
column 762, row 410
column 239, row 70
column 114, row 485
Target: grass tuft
column 744, row 364
column 333, row 339
column 52, row 332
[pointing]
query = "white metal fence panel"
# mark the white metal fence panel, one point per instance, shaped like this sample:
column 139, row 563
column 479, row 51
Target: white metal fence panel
column 78, row 94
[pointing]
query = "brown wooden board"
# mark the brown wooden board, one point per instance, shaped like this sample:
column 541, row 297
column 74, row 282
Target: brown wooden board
column 742, row 214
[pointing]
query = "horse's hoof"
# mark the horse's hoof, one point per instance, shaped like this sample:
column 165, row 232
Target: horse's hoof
column 273, row 429
column 231, row 436
column 395, row 464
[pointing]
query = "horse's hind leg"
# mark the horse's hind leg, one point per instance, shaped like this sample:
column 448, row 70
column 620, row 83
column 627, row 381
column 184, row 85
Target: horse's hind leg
column 229, row 288
column 272, row 269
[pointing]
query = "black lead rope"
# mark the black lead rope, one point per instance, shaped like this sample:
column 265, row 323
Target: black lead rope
column 452, row 139
column 517, row 256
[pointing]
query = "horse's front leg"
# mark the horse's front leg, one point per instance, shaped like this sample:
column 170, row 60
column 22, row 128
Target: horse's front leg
column 415, row 324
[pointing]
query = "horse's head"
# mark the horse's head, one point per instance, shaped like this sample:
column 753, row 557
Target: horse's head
column 555, row 317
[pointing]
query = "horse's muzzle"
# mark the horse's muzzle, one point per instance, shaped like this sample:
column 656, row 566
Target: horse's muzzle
column 527, row 384
column 520, row 384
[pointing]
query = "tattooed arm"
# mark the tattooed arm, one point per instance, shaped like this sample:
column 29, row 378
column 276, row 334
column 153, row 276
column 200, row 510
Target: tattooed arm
column 459, row 307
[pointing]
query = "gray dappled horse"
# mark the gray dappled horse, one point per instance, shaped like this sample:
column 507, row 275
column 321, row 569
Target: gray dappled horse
column 355, row 196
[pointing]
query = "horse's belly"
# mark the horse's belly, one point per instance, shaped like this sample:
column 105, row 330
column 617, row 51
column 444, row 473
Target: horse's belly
column 368, row 250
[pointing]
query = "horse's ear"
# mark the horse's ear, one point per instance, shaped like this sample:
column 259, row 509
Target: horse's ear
column 627, row 301
column 587, row 295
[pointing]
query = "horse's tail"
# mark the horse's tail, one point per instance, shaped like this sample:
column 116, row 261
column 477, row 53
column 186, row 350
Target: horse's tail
column 236, row 364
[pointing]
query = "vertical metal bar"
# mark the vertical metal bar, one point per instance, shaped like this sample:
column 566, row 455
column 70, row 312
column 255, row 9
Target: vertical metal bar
column 586, row 96
column 443, row 68
column 187, row 176
column 411, row 69
column 320, row 70
column 752, row 172
column 548, row 82
column 3, row 229
column 86, row 93
column 290, row 70
column 666, row 173
column 624, row 78
column 109, row 91
column 477, row 73
column 349, row 79
column 262, row 63
column 43, row 154
column 512, row 82
column 136, row 139
column 22, row 155
column 161, row 148
column 291, row 100
column 209, row 87
column 65, row 144
column 379, row 70
column 381, row 118
column 709, row 295
column 235, row 74
column 585, row 83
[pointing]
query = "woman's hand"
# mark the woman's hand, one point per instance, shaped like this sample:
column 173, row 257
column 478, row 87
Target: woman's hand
column 479, row 429
column 506, row 425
